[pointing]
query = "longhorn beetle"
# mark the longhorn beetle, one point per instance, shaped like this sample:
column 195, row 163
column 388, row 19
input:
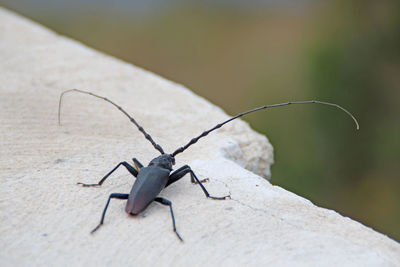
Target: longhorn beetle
column 158, row 174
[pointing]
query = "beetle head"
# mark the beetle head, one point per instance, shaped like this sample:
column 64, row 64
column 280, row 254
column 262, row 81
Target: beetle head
column 164, row 161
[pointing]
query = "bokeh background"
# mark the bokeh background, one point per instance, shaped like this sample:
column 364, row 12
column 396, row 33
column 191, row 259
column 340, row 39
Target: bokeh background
column 243, row 54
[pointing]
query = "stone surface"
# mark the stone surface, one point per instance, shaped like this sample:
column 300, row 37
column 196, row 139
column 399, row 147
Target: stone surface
column 46, row 218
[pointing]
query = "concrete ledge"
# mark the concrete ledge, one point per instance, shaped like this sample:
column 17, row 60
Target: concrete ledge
column 46, row 218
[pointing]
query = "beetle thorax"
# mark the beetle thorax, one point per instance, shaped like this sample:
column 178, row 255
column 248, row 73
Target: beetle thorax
column 164, row 161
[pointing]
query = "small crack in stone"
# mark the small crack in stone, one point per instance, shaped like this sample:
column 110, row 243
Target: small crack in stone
column 267, row 213
column 226, row 185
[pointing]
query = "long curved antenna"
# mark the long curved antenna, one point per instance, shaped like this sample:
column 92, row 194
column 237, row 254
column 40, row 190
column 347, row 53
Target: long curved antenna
column 194, row 140
column 146, row 135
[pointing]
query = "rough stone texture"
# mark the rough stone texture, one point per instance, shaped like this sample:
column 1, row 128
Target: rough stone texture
column 46, row 218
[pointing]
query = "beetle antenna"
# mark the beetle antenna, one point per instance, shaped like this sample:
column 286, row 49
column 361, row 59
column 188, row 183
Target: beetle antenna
column 146, row 135
column 194, row 140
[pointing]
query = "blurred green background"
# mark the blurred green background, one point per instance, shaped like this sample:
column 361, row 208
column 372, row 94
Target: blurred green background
column 243, row 54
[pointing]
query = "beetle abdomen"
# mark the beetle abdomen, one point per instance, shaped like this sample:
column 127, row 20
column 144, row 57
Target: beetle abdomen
column 149, row 183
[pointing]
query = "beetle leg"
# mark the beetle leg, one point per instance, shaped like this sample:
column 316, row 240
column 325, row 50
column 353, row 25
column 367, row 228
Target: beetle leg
column 113, row 195
column 130, row 168
column 176, row 175
column 137, row 164
column 168, row 203
column 179, row 173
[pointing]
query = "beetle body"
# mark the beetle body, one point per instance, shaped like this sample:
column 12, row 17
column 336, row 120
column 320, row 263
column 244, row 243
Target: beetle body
column 149, row 183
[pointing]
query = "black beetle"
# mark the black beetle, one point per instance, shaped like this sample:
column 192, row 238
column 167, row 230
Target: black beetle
column 151, row 180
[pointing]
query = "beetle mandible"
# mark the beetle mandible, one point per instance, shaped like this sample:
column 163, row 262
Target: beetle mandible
column 159, row 174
